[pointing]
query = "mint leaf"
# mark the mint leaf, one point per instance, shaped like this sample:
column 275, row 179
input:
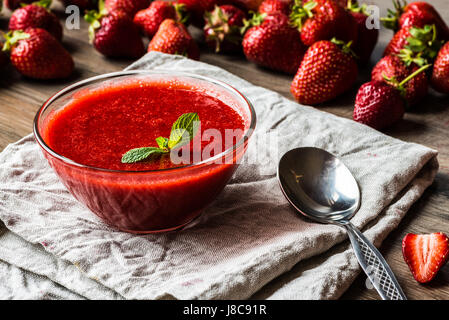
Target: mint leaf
column 183, row 130
column 139, row 154
column 162, row 142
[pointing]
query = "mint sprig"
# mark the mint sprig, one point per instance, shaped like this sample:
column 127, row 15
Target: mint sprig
column 183, row 131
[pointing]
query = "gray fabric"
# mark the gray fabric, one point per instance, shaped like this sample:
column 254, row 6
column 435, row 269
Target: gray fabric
column 248, row 243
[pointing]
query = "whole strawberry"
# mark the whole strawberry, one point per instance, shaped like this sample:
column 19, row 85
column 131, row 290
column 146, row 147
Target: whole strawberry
column 323, row 20
column 416, row 14
column 36, row 15
column 35, row 53
column 172, row 37
column 440, row 74
column 366, row 38
column 14, row 4
column 196, row 10
column 222, row 28
column 150, row 19
column 82, row 4
column 129, row 7
column 272, row 6
column 378, row 105
column 392, row 70
column 114, row 34
column 326, row 71
column 274, row 44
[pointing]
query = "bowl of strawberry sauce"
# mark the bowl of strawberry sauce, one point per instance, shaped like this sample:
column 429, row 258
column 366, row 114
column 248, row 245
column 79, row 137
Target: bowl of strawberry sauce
column 124, row 145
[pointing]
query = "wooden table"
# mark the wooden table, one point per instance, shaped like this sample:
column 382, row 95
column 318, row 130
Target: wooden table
column 20, row 98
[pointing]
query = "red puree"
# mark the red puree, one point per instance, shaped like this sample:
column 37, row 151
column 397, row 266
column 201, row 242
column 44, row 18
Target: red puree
column 97, row 127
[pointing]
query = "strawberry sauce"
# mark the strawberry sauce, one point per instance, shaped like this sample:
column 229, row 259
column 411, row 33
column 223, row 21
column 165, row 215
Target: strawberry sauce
column 97, row 127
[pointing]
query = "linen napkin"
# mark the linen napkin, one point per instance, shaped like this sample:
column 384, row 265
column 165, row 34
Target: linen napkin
column 248, row 243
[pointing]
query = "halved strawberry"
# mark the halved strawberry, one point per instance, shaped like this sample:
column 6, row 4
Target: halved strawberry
column 425, row 254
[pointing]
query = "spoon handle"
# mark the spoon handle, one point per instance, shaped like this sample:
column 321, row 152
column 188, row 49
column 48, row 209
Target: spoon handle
column 374, row 265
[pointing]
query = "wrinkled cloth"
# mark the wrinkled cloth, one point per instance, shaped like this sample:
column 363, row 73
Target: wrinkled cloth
column 249, row 243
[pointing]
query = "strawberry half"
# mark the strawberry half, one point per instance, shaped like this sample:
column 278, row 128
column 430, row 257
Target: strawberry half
column 425, row 254
column 36, row 15
column 273, row 43
column 35, row 53
column 323, row 20
column 222, row 28
column 326, row 71
column 172, row 37
column 440, row 75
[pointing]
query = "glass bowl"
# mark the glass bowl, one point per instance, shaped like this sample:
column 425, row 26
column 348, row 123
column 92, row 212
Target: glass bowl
column 153, row 200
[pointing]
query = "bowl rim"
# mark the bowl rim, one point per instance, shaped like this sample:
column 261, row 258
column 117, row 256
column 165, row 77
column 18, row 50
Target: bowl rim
column 247, row 134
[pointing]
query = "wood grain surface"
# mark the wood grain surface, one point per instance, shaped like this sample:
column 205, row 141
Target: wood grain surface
column 428, row 124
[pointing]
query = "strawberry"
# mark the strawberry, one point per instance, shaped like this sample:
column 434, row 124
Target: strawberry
column 272, row 6
column 129, row 7
column 35, row 53
column 196, row 9
column 222, row 28
column 416, row 14
column 366, row 38
column 172, row 37
column 440, row 74
column 417, row 45
column 150, row 19
column 326, row 71
column 36, row 15
column 82, row 4
column 114, row 34
column 392, row 70
column 378, row 105
column 425, row 254
column 14, row 4
column 323, row 20
column 274, row 43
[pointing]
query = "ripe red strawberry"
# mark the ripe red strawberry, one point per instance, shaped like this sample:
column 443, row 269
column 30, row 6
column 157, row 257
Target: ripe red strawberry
column 392, row 70
column 326, row 71
column 130, row 7
column 272, row 6
column 378, row 105
column 440, row 75
column 150, row 19
column 172, row 37
column 398, row 42
column 196, row 9
column 274, row 44
column 425, row 254
column 416, row 14
column 114, row 34
column 36, row 15
column 366, row 38
column 82, row 4
column 35, row 53
column 14, row 4
column 222, row 28
column 323, row 20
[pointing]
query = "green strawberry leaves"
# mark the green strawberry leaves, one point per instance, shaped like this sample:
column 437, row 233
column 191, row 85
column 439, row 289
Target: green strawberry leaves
column 391, row 21
column 183, row 131
column 422, row 46
column 300, row 12
column 12, row 37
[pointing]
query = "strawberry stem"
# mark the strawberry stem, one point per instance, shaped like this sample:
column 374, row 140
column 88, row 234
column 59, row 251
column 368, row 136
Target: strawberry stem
column 345, row 47
column 391, row 21
column 255, row 20
column 301, row 12
column 12, row 37
column 414, row 74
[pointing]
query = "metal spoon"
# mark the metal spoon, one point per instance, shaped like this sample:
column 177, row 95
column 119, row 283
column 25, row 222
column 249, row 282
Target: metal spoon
column 322, row 188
